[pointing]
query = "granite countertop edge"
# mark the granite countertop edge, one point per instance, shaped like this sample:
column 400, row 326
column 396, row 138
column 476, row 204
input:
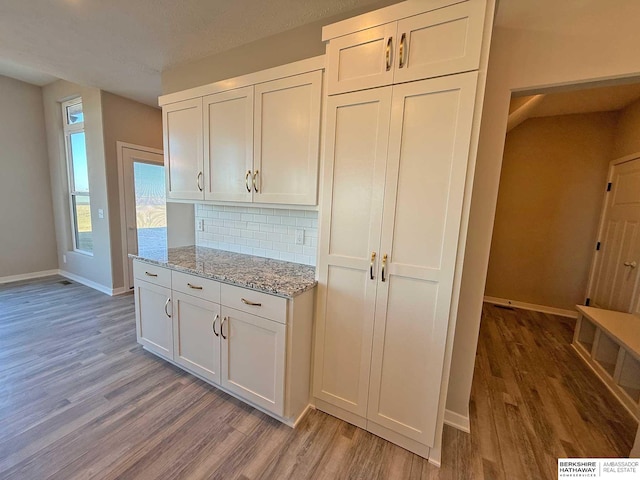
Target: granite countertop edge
column 286, row 292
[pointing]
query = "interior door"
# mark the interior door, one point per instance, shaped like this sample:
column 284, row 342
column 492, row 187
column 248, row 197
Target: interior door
column 356, row 150
column 615, row 281
column 145, row 204
column 426, row 171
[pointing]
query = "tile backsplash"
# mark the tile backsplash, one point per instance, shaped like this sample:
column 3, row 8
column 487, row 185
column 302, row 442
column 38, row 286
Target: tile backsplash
column 265, row 232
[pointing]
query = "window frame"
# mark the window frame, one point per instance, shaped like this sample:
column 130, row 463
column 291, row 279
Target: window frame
column 68, row 130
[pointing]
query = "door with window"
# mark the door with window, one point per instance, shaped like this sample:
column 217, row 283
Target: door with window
column 145, row 204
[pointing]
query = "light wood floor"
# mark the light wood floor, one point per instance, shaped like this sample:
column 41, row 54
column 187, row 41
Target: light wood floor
column 80, row 399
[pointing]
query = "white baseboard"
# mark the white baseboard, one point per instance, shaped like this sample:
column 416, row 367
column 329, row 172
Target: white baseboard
column 28, row 276
column 87, row 282
column 532, row 306
column 458, row 421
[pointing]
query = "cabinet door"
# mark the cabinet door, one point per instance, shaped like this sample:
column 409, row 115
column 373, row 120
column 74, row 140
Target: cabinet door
column 196, row 335
column 286, row 139
column 228, row 145
column 440, row 42
column 426, row 171
column 361, row 60
column 354, row 170
column 153, row 318
column 253, row 356
column 182, row 125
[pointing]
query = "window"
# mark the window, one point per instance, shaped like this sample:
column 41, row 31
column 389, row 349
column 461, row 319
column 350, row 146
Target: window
column 78, row 171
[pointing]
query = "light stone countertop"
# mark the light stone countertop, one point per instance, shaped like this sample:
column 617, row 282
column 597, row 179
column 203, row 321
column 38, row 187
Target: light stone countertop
column 276, row 277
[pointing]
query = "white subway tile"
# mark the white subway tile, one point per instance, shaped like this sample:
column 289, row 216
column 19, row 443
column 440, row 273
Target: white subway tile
column 260, row 218
column 266, row 228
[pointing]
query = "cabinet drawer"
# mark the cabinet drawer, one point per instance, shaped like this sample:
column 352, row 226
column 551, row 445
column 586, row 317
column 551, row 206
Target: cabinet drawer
column 196, row 286
column 152, row 273
column 257, row 303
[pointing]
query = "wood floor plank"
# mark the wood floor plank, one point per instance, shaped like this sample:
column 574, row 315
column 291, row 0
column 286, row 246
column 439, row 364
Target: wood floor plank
column 79, row 399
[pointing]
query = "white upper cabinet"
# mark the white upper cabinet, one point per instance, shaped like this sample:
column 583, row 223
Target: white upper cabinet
column 287, row 139
column 228, row 145
column 182, row 125
column 439, row 42
column 249, row 139
column 361, row 60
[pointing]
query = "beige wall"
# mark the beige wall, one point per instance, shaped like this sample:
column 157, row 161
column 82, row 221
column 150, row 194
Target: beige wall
column 290, row 46
column 95, row 268
column 131, row 122
column 567, row 50
column 628, row 134
column 551, row 190
column 27, row 236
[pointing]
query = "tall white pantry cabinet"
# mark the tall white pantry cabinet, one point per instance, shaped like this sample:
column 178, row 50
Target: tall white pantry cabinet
column 403, row 90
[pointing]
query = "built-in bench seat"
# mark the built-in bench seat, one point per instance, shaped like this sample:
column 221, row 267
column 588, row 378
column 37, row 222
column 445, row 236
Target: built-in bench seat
column 609, row 342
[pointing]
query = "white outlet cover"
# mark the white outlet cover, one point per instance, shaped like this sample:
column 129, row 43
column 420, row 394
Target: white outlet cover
column 300, row 236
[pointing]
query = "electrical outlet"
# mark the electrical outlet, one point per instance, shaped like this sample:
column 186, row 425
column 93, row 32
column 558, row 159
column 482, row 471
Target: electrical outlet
column 100, row 213
column 64, row 259
column 201, row 225
column 300, row 236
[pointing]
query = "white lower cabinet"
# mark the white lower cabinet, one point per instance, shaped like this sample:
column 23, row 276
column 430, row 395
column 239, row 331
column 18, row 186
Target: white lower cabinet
column 253, row 358
column 265, row 361
column 196, row 335
column 153, row 317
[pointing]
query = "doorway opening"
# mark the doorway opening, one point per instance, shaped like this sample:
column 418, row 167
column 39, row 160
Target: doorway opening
column 559, row 151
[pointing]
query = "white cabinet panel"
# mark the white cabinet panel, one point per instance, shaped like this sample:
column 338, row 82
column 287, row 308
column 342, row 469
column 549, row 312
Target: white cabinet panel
column 361, row 60
column 441, row 42
column 286, row 139
column 356, row 149
column 228, row 145
column 153, row 318
column 196, row 334
column 182, row 125
column 426, row 172
column 253, row 356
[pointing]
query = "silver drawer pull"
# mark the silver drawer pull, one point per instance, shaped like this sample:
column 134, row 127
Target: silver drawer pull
column 195, row 287
column 150, row 274
column 247, row 302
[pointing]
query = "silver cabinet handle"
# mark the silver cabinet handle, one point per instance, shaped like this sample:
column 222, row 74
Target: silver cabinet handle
column 403, row 49
column 213, row 325
column 222, row 325
column 195, row 287
column 247, row 302
column 246, row 181
column 384, row 264
column 150, row 274
column 198, row 180
column 373, row 259
column 388, row 54
column 166, row 304
column 255, row 186
column 630, row 264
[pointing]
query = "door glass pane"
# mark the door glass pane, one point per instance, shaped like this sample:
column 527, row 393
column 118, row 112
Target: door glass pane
column 79, row 162
column 82, row 214
column 75, row 114
column 151, row 208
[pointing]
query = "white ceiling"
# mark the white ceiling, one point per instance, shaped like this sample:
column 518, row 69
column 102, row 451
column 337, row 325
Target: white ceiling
column 122, row 46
